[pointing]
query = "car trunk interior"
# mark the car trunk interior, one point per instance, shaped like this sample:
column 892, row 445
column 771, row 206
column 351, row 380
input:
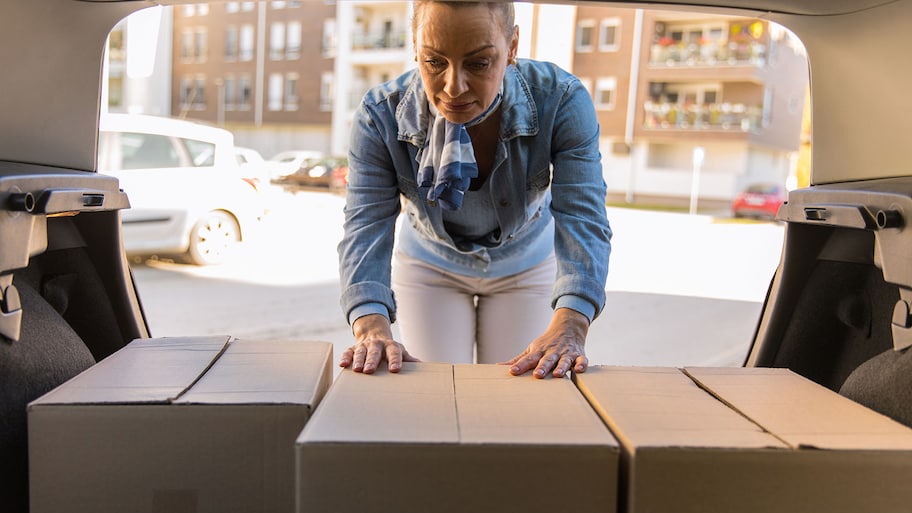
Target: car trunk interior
column 66, row 296
column 837, row 310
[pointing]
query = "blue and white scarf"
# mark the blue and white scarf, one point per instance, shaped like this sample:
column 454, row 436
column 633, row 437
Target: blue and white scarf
column 448, row 162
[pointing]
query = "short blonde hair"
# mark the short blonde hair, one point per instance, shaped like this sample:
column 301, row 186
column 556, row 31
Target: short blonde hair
column 503, row 9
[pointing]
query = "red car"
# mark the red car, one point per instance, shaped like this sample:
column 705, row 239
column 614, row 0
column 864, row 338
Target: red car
column 759, row 201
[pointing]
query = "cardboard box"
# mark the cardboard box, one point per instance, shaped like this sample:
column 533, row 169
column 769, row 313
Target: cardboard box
column 748, row 440
column 198, row 424
column 455, row 438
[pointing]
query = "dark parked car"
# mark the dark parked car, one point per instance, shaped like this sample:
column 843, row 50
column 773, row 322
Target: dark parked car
column 838, row 310
column 320, row 173
column 760, row 200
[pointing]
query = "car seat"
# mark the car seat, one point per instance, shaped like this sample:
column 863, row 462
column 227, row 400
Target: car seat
column 884, row 384
column 47, row 353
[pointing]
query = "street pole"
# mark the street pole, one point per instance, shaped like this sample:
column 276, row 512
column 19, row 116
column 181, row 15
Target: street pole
column 220, row 111
column 699, row 154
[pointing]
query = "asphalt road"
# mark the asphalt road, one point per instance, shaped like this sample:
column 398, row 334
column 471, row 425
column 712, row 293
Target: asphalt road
column 682, row 289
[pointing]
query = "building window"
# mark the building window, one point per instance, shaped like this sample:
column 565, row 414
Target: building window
column 190, row 10
column 199, row 93
column 245, row 92
column 232, row 7
column 246, row 43
column 231, row 43
column 609, row 35
column 293, row 40
column 585, row 36
column 186, row 89
column 199, row 45
column 186, row 45
column 327, row 91
column 193, row 93
column 230, row 93
column 605, row 93
column 278, row 4
column 247, row 6
column 277, row 41
column 276, row 83
column 291, row 91
column 328, row 46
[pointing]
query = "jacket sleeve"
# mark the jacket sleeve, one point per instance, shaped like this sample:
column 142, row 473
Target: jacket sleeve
column 371, row 209
column 582, row 232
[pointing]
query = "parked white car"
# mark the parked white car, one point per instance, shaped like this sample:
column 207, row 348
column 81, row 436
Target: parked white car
column 187, row 193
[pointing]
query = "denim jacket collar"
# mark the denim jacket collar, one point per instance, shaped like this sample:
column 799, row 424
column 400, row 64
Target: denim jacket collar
column 519, row 116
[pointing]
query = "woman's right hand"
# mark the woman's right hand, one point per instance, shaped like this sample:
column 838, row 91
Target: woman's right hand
column 373, row 344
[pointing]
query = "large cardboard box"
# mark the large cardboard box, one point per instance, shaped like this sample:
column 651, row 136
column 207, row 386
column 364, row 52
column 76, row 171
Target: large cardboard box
column 720, row 440
column 198, row 424
column 455, row 438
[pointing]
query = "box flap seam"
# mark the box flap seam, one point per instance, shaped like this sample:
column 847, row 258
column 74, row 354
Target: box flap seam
column 456, row 404
column 734, row 408
column 203, row 371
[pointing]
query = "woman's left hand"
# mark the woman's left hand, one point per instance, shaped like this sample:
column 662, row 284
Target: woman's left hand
column 558, row 350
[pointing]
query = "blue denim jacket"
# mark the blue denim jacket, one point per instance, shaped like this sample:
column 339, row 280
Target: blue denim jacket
column 547, row 169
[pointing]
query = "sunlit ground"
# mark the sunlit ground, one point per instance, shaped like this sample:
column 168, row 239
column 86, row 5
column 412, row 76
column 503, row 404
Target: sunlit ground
column 654, row 252
column 682, row 289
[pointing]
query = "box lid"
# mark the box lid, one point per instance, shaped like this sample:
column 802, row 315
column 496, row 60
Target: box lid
column 203, row 370
column 464, row 404
column 801, row 412
column 662, row 407
column 153, row 370
column 735, row 408
column 458, row 438
column 265, row 371
column 491, row 403
column 381, row 407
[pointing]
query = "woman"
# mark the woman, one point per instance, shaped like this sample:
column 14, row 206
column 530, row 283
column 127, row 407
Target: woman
column 499, row 163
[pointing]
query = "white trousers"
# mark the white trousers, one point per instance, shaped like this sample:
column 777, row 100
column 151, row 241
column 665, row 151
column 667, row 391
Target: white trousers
column 447, row 317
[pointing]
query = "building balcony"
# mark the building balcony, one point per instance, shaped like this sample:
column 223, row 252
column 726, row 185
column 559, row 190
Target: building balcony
column 676, row 54
column 379, row 41
column 726, row 117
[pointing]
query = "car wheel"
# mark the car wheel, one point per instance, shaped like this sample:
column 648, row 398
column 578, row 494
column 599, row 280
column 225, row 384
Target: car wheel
column 212, row 238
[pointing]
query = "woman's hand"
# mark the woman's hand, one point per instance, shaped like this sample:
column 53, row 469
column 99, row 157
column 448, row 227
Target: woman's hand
column 374, row 343
column 558, row 350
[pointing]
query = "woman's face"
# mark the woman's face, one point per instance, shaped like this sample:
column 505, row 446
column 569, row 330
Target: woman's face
column 462, row 55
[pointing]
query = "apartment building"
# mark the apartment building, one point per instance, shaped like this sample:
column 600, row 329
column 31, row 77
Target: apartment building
column 263, row 69
column 691, row 107
column 138, row 64
column 373, row 45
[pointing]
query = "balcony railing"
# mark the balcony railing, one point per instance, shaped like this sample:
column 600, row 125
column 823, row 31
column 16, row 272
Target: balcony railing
column 736, row 117
column 378, row 41
column 712, row 53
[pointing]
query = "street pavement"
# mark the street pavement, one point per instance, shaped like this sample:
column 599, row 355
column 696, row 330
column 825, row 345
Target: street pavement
column 682, row 289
